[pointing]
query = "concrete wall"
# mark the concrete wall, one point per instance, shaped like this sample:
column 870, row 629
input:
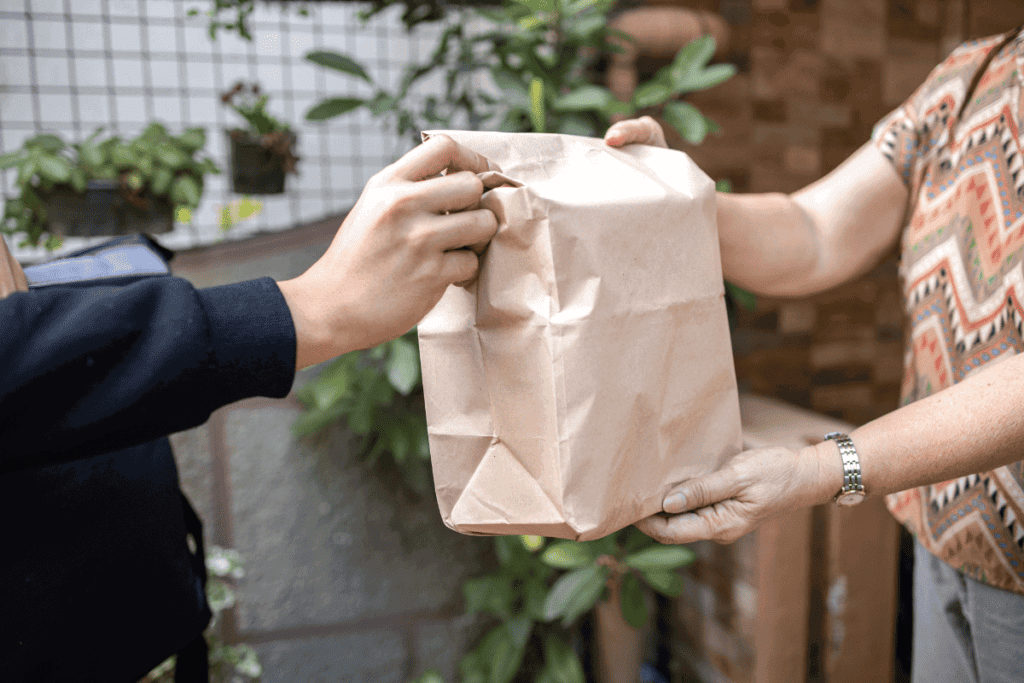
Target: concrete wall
column 349, row 577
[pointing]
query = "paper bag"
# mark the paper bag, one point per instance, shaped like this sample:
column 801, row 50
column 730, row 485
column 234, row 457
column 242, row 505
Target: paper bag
column 588, row 370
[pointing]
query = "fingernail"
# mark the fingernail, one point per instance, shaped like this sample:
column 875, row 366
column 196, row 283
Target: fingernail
column 675, row 502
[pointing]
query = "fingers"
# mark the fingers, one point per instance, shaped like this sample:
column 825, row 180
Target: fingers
column 453, row 192
column 473, row 229
column 702, row 492
column 687, row 528
column 642, row 131
column 439, row 153
column 460, row 267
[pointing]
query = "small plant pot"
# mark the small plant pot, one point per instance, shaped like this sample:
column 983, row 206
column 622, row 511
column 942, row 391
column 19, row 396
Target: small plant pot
column 103, row 210
column 255, row 168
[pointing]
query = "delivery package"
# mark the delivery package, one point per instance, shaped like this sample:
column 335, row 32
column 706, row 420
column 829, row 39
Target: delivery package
column 588, row 369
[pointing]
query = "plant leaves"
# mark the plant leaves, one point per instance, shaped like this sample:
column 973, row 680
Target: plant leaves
column 702, row 79
column 650, row 94
column 561, row 663
column 339, row 62
column 491, row 593
column 685, row 118
column 335, row 106
column 665, row 581
column 693, row 56
column 631, row 600
column 46, row 142
column 538, row 115
column 185, row 191
column 11, row 159
column 660, row 557
column 56, row 169
column 403, row 366
column 567, row 555
column 574, row 593
column 585, row 98
column 193, row 139
column 166, row 153
column 160, row 183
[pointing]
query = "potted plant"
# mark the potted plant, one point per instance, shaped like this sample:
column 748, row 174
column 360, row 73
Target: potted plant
column 264, row 152
column 537, row 58
column 105, row 186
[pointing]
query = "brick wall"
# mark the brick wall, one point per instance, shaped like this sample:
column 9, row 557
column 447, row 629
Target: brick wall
column 815, row 76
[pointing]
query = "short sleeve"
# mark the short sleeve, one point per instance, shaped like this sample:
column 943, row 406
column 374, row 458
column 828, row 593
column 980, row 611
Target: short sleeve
column 909, row 135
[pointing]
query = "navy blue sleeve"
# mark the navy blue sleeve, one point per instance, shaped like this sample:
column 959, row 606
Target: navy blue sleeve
column 89, row 370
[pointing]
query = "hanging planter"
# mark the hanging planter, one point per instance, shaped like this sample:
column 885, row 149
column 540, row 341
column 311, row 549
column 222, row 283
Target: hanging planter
column 262, row 154
column 259, row 164
column 105, row 209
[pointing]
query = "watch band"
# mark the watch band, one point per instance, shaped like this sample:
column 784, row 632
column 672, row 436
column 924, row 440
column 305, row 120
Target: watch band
column 852, row 491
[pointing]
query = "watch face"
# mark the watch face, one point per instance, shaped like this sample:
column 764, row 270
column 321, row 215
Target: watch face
column 849, row 498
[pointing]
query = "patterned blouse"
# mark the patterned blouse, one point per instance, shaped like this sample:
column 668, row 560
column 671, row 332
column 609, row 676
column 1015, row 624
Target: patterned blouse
column 963, row 280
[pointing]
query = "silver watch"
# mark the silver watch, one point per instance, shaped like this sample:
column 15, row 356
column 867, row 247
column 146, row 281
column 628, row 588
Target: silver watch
column 853, row 488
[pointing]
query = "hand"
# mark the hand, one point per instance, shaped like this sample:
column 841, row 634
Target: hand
column 641, row 131
column 748, row 489
column 396, row 252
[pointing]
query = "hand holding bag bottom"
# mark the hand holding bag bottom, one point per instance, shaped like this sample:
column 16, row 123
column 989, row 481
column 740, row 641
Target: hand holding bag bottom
column 588, row 370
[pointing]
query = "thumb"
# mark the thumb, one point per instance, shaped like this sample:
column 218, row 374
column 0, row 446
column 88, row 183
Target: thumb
column 701, row 492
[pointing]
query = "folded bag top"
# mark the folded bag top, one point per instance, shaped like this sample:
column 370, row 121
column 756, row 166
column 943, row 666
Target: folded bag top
column 588, row 369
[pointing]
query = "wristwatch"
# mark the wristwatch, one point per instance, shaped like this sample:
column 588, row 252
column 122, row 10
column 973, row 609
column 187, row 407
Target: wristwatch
column 853, row 488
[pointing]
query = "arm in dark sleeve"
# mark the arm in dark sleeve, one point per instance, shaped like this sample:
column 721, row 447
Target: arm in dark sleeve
column 88, row 370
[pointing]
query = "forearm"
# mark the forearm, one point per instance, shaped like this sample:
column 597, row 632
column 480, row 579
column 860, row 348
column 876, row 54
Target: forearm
column 971, row 427
column 90, row 370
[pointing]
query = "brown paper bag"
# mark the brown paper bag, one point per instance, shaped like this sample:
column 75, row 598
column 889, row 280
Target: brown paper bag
column 588, row 370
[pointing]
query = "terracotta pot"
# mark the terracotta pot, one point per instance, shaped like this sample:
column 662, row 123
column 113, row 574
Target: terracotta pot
column 658, row 32
column 620, row 647
column 255, row 168
column 104, row 210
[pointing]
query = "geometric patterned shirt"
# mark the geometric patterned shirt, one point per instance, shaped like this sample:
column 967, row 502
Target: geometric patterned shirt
column 962, row 273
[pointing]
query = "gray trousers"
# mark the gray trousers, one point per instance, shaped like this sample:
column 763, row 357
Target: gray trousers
column 965, row 631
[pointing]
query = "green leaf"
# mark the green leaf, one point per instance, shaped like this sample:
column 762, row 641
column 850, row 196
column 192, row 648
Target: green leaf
column 665, row 581
column 11, row 159
column 166, row 153
column 660, row 557
column 492, row 593
column 381, row 103
column 339, row 62
column 91, row 155
column 185, row 191
column 78, row 179
column 693, row 56
column 403, row 366
column 193, row 139
column 574, row 593
column 335, row 106
column 160, row 183
column 631, row 600
column 500, row 654
column 538, row 115
column 511, row 86
column 742, row 297
column 585, row 98
column 123, row 155
column 46, row 142
column 567, row 555
column 53, row 242
column 685, row 118
column 27, row 169
column 561, row 664
column 651, row 94
column 429, row 676
column 54, row 168
column 702, row 79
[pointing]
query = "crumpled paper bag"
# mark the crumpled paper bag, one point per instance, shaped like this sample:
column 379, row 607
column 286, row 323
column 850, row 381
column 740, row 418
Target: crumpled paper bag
column 588, row 369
